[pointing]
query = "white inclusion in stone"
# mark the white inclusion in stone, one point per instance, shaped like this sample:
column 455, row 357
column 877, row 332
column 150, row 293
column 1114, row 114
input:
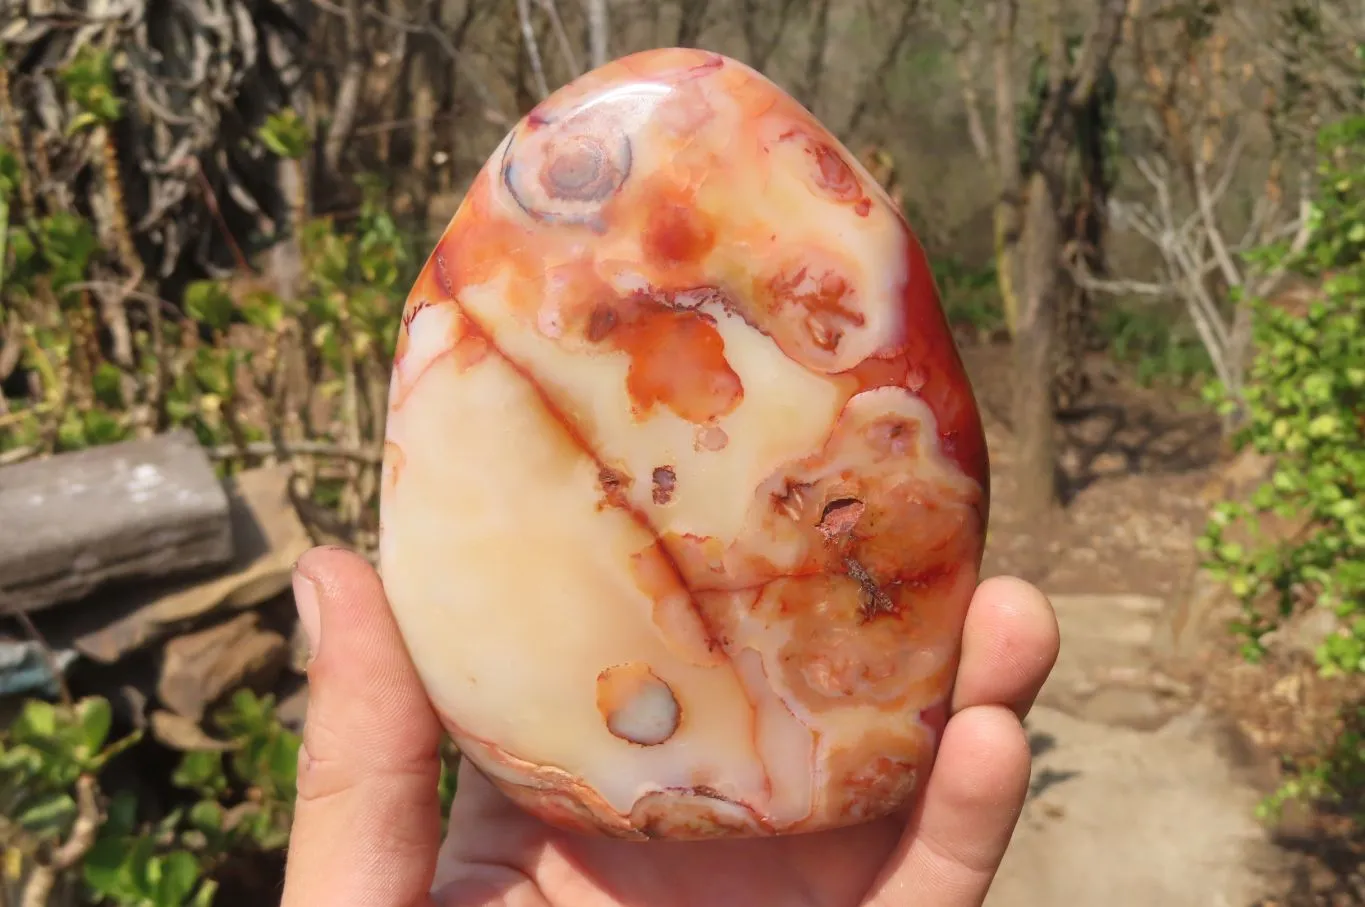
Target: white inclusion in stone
column 637, row 705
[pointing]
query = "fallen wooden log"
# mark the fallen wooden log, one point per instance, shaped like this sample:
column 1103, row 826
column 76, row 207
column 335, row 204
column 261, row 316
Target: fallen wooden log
column 74, row 522
column 268, row 538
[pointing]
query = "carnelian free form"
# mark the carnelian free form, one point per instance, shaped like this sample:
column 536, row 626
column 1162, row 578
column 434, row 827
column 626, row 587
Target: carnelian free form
column 684, row 484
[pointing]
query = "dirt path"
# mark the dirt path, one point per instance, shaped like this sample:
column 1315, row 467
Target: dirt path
column 1128, row 818
column 1140, row 795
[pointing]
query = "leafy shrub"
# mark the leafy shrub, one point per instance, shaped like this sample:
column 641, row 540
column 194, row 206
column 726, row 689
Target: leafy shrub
column 971, row 296
column 58, row 826
column 50, row 757
column 242, row 801
column 258, row 373
column 1304, row 406
column 56, row 823
column 1160, row 347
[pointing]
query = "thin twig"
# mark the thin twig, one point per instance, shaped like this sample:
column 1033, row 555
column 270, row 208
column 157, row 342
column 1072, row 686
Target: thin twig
column 598, row 30
column 492, row 111
column 49, row 657
column 964, row 46
column 38, row 888
column 561, row 37
column 528, row 37
column 874, row 84
column 297, row 448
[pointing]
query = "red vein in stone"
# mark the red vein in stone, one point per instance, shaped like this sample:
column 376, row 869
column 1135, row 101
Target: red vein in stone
column 477, row 328
column 405, row 388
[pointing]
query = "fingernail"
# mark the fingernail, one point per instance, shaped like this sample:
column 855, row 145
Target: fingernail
column 310, row 616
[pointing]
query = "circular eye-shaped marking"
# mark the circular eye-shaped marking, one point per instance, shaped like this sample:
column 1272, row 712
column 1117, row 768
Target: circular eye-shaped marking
column 637, row 705
column 564, row 171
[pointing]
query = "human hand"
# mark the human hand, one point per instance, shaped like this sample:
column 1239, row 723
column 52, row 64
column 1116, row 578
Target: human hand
column 367, row 820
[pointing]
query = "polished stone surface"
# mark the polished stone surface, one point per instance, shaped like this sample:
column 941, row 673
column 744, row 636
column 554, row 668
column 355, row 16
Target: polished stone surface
column 684, row 486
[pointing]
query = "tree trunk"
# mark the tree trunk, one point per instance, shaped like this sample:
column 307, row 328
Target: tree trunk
column 1035, row 467
column 1044, row 278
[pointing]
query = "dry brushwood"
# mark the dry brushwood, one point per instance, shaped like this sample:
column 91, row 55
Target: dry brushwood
column 176, row 181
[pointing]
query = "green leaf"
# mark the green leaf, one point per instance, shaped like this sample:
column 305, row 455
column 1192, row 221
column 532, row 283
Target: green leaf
column 108, row 870
column 107, row 383
column 206, row 301
column 207, row 816
column 285, row 133
column 263, row 310
column 142, row 867
column 37, row 720
column 177, row 874
column 101, row 427
column 121, row 816
column 83, row 120
column 205, row 895
column 67, row 244
column 212, row 370
column 95, row 718
column 89, row 80
column 200, row 770
column 284, row 763
column 1303, row 396
column 49, row 814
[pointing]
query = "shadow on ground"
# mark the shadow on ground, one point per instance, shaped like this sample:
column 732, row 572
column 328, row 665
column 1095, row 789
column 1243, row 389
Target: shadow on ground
column 1326, row 840
column 1325, row 870
column 1106, row 440
column 1039, row 744
column 1116, row 428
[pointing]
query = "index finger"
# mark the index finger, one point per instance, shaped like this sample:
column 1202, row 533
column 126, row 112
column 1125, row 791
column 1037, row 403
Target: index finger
column 1010, row 642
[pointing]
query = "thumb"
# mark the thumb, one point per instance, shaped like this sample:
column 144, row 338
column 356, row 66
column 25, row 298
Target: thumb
column 367, row 819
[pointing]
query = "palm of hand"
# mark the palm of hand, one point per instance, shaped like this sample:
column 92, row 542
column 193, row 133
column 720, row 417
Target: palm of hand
column 366, row 821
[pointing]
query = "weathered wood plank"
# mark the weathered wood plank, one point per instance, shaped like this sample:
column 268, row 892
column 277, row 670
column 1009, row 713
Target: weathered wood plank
column 269, row 538
column 72, row 523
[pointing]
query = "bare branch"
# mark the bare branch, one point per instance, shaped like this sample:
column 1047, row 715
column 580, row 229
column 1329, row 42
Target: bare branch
column 815, row 60
column 12, row 346
column 492, row 110
column 877, row 78
column 1207, row 199
column 1120, row 287
column 345, row 107
column 38, row 888
column 763, row 40
column 598, row 31
column 964, row 43
column 1190, row 235
column 691, row 20
column 1098, row 50
column 285, row 450
column 562, row 37
column 528, row 37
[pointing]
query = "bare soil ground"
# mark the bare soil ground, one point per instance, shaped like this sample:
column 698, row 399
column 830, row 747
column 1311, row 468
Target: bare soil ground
column 1133, row 464
column 1146, row 779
